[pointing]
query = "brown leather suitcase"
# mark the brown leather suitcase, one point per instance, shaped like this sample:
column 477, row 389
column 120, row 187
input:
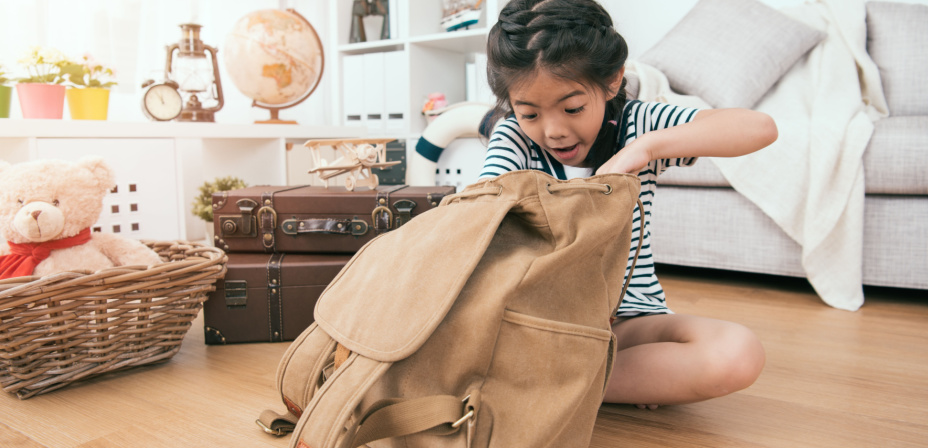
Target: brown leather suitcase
column 268, row 297
column 310, row 219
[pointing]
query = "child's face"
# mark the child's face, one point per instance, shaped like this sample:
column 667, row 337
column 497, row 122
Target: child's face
column 561, row 116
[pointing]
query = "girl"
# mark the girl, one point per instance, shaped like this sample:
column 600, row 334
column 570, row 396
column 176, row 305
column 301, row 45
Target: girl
column 557, row 70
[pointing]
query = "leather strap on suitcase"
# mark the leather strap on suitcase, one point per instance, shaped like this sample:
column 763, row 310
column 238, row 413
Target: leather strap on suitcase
column 267, row 219
column 274, row 297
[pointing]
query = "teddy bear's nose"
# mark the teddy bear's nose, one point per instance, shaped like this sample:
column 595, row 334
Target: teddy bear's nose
column 35, row 214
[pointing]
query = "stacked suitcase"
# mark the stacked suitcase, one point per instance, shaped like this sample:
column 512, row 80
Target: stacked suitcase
column 285, row 244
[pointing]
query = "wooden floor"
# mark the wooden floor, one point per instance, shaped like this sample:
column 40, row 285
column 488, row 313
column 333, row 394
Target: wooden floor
column 833, row 379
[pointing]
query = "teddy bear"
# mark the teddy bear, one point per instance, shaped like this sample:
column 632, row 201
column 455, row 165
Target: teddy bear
column 47, row 208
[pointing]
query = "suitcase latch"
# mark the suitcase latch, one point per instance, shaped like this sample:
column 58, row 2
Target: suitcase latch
column 404, row 208
column 240, row 226
column 375, row 219
column 236, row 293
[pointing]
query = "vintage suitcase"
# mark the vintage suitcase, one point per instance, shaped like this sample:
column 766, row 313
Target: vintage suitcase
column 268, row 297
column 309, row 219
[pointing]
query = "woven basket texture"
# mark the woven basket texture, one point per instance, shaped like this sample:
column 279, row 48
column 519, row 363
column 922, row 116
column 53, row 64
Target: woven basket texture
column 70, row 326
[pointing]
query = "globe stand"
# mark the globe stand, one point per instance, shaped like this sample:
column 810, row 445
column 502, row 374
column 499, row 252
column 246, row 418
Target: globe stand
column 274, row 116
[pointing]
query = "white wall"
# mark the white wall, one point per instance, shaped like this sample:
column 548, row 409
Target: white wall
column 131, row 35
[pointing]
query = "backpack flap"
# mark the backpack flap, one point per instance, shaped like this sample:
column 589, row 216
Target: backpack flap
column 392, row 295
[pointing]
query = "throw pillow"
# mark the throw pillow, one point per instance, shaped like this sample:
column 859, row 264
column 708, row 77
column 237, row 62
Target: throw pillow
column 731, row 52
column 897, row 40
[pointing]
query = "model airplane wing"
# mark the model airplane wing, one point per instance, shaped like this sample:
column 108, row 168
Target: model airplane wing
column 383, row 164
column 349, row 166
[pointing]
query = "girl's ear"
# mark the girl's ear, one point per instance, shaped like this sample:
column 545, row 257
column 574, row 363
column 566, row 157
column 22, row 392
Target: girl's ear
column 616, row 83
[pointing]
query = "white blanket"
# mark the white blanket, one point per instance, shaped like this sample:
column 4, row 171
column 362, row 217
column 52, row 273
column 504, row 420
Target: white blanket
column 810, row 181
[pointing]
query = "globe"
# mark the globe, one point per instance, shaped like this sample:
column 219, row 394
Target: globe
column 275, row 58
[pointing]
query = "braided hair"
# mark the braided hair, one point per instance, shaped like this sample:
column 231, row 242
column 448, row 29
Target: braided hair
column 570, row 39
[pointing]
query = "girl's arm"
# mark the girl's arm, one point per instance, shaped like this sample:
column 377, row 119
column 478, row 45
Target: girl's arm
column 712, row 133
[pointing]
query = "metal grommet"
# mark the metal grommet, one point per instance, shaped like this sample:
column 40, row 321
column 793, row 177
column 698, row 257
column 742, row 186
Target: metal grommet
column 608, row 189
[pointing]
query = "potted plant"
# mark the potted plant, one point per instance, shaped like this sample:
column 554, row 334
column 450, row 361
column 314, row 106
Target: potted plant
column 41, row 93
column 203, row 203
column 6, row 93
column 88, row 88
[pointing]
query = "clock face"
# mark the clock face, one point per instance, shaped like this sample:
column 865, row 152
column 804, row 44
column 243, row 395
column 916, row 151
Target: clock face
column 162, row 102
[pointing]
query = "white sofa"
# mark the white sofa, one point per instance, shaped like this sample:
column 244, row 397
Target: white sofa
column 694, row 203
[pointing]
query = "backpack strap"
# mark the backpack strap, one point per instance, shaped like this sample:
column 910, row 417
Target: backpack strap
column 631, row 271
column 439, row 414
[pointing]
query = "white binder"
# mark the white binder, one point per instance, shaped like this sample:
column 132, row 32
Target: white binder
column 373, row 91
column 482, row 91
column 396, row 91
column 353, row 80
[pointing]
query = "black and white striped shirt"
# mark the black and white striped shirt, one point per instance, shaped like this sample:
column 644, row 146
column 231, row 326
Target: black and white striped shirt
column 510, row 149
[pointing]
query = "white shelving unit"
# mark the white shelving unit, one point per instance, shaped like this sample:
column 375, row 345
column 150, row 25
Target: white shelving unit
column 434, row 60
column 431, row 59
column 159, row 166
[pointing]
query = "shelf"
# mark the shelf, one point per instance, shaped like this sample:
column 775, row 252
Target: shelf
column 25, row 128
column 466, row 41
column 377, row 45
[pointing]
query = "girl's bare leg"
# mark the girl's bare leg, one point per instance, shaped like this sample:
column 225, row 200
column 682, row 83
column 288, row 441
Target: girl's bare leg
column 676, row 359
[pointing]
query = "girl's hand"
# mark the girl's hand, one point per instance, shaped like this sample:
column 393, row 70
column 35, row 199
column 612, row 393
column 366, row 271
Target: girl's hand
column 631, row 159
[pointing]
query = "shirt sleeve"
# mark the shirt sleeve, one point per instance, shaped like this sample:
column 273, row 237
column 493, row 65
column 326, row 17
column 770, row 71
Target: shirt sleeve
column 508, row 150
column 652, row 116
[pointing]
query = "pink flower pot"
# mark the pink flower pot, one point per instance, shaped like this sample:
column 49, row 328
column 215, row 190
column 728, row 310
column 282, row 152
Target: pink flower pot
column 41, row 100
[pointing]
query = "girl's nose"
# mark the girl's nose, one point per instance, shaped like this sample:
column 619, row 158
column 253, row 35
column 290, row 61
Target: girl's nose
column 555, row 132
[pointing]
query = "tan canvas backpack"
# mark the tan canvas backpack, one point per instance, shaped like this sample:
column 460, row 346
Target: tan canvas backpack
column 484, row 322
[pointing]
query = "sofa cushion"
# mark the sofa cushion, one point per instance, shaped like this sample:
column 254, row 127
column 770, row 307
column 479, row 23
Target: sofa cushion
column 896, row 160
column 897, row 39
column 703, row 173
column 730, row 52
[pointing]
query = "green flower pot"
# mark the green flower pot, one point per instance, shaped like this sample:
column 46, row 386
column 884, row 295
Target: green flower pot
column 6, row 93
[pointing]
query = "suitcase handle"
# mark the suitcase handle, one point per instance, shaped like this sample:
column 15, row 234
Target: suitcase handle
column 354, row 227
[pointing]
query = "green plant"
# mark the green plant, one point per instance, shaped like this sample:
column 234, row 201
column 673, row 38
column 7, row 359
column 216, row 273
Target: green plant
column 3, row 79
column 44, row 66
column 203, row 204
column 88, row 73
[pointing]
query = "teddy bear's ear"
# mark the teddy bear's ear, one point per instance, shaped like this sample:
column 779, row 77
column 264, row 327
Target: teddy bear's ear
column 101, row 171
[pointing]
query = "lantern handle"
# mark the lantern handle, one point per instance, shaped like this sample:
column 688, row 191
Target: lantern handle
column 217, row 84
column 169, row 62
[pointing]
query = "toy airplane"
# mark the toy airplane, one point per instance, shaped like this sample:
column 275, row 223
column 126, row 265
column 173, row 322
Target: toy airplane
column 358, row 157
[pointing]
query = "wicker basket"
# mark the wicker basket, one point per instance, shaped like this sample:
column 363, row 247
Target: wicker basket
column 61, row 328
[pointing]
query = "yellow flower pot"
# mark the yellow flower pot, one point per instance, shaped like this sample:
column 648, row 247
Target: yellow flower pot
column 90, row 103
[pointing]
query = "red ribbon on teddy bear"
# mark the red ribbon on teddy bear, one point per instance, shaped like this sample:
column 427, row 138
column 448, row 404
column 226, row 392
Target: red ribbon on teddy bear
column 25, row 257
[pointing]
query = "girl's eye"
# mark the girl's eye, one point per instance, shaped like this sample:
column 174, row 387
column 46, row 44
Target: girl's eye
column 575, row 111
column 529, row 117
column 55, row 202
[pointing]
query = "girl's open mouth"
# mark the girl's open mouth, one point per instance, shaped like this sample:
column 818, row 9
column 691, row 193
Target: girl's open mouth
column 567, row 153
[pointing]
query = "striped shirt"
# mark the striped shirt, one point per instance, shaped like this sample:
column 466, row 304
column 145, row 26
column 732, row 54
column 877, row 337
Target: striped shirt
column 510, row 149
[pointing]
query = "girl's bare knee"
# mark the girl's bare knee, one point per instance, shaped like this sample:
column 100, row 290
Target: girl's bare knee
column 734, row 363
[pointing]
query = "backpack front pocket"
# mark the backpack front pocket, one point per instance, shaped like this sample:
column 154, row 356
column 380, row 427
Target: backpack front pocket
column 560, row 365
